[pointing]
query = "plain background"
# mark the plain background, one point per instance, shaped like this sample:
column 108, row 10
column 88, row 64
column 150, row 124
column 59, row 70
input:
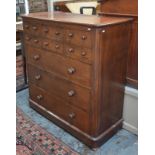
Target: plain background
column 146, row 77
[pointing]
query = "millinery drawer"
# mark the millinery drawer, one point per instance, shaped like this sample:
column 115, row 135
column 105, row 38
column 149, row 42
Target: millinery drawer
column 79, row 38
column 33, row 28
column 66, row 90
column 59, row 107
column 52, row 45
column 51, row 31
column 79, row 53
column 73, row 70
column 33, row 41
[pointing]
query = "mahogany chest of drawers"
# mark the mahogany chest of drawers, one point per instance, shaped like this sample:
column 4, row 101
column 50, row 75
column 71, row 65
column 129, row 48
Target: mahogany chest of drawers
column 76, row 70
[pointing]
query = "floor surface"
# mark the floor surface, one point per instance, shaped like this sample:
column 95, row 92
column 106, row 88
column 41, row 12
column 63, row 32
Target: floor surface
column 123, row 143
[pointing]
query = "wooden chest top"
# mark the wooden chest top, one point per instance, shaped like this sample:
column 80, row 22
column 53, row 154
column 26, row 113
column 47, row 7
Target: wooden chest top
column 93, row 20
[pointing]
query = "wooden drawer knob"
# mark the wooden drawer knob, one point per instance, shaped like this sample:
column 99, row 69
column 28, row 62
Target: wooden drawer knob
column 84, row 37
column 36, row 41
column 46, row 43
column 71, row 70
column 83, row 53
column 70, row 34
column 57, row 46
column 39, row 97
column 26, row 26
column 28, row 38
column 37, row 77
column 72, row 115
column 71, row 93
column 34, row 28
column 57, row 33
column 46, row 30
column 36, row 57
column 70, row 49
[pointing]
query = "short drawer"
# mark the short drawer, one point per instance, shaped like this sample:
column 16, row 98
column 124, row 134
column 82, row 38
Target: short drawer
column 33, row 41
column 72, row 70
column 52, row 32
column 71, row 114
column 79, row 53
column 57, row 33
column 33, row 28
column 79, row 38
column 46, row 44
column 52, row 45
column 66, row 90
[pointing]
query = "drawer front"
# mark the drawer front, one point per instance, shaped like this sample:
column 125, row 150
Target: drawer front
column 46, row 44
column 79, row 38
column 71, row 69
column 82, row 54
column 60, row 108
column 57, row 33
column 52, row 45
column 66, row 90
column 33, row 41
column 34, row 28
column 52, row 31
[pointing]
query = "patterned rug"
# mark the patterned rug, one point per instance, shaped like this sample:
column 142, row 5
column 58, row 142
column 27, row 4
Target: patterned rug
column 31, row 139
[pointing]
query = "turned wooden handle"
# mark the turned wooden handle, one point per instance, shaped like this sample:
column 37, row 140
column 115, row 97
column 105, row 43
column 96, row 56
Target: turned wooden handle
column 70, row 34
column 27, row 38
column 83, row 53
column 71, row 70
column 84, row 37
column 71, row 93
column 34, row 28
column 37, row 77
column 57, row 46
column 46, row 43
column 70, row 49
column 36, row 41
column 39, row 97
column 36, row 57
column 26, row 26
column 72, row 115
column 46, row 30
column 57, row 33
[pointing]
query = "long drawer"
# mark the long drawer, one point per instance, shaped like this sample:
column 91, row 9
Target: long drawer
column 60, row 108
column 73, row 70
column 66, row 90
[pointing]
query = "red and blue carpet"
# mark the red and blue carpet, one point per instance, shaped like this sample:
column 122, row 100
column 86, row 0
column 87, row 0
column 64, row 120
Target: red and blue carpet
column 31, row 139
